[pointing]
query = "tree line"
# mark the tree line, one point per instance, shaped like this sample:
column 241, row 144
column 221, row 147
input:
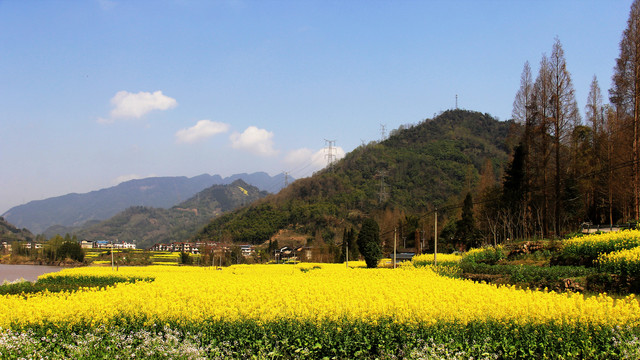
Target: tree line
column 564, row 171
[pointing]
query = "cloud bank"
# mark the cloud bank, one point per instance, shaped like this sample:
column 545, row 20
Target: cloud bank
column 201, row 130
column 254, row 140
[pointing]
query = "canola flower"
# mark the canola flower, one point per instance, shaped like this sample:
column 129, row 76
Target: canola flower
column 442, row 258
column 622, row 262
column 594, row 245
column 308, row 292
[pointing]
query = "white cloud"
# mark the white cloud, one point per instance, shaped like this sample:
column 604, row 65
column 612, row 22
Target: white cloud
column 298, row 157
column 130, row 105
column 200, row 131
column 307, row 160
column 254, row 140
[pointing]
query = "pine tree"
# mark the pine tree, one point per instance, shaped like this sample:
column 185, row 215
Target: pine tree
column 369, row 242
column 466, row 226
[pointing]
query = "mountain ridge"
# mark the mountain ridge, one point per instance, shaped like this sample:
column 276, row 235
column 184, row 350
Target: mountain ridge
column 72, row 210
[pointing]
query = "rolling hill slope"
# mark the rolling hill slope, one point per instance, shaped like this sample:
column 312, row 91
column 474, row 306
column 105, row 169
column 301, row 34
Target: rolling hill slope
column 416, row 168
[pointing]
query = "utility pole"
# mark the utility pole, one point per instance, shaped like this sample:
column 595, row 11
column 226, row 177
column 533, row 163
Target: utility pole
column 435, row 241
column 394, row 247
column 347, row 252
column 111, row 255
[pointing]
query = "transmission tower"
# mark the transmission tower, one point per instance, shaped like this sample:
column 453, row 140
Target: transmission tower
column 330, row 152
column 383, row 132
column 286, row 179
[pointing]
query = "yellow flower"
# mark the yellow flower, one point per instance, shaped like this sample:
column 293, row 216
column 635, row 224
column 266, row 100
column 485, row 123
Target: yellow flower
column 321, row 292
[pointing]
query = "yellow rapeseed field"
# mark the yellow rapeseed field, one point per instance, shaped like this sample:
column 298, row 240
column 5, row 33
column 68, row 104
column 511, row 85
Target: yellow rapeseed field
column 631, row 255
column 442, row 258
column 312, row 292
column 622, row 262
column 618, row 240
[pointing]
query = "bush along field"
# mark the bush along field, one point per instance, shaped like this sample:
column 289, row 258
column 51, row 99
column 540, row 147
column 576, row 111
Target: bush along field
column 314, row 311
column 608, row 262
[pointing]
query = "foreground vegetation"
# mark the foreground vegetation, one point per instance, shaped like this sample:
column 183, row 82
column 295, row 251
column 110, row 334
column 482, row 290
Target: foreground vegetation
column 311, row 311
column 421, row 310
column 607, row 262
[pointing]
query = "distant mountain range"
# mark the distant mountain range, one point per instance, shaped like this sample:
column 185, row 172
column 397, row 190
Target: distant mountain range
column 146, row 226
column 74, row 210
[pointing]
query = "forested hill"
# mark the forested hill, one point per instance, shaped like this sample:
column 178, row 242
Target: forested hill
column 9, row 233
column 417, row 167
column 146, row 226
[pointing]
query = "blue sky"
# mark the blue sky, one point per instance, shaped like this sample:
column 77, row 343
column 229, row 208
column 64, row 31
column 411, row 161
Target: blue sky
column 96, row 92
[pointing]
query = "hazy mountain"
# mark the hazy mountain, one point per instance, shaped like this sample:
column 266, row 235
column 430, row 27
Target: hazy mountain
column 146, row 226
column 74, row 210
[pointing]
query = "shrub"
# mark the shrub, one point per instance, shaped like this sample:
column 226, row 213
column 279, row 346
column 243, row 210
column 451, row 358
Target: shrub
column 486, row 255
column 369, row 243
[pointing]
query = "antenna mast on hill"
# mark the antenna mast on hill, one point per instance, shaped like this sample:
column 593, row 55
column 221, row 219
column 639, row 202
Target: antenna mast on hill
column 330, row 150
column 456, row 101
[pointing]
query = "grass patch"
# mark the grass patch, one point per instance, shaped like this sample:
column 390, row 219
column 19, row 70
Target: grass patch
column 66, row 283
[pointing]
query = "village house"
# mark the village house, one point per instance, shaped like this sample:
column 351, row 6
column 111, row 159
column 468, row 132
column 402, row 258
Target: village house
column 104, row 244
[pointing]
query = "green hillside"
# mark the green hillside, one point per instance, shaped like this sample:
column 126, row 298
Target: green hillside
column 416, row 168
column 9, row 233
column 146, row 226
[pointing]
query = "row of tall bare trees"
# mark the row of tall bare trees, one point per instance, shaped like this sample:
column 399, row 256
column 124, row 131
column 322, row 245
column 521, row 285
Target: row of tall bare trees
column 565, row 172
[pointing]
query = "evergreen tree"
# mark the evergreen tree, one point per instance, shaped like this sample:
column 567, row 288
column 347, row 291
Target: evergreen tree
column 466, row 226
column 344, row 248
column 349, row 244
column 369, row 242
